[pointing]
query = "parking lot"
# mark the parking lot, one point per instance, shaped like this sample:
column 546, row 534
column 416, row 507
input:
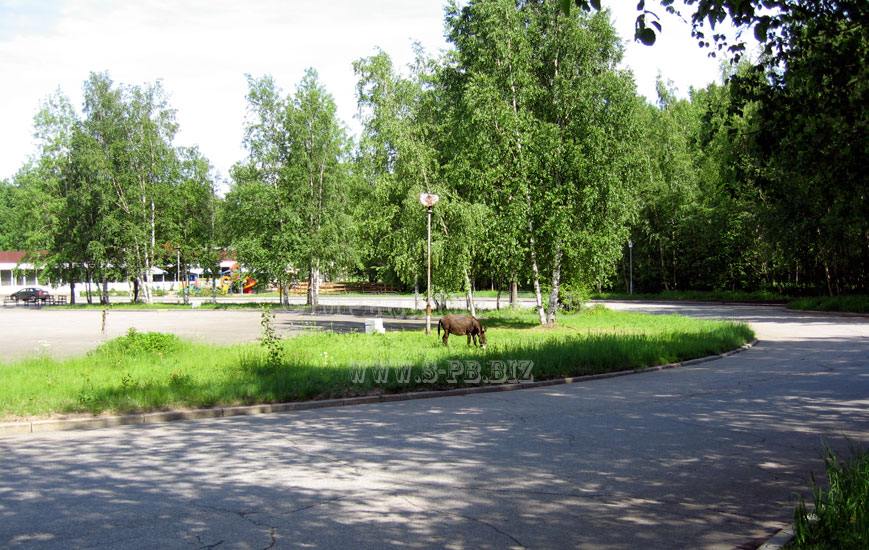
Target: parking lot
column 61, row 332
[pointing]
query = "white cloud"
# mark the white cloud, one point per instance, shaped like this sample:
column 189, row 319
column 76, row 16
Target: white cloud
column 202, row 49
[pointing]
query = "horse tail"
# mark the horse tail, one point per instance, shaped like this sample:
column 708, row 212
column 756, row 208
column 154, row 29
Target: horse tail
column 439, row 326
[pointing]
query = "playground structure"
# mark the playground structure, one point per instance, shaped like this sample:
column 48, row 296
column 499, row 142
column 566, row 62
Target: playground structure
column 228, row 280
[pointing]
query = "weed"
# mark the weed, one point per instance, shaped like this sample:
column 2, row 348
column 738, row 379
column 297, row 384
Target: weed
column 841, row 512
column 269, row 338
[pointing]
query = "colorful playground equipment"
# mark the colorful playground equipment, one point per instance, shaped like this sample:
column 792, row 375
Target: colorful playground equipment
column 227, row 282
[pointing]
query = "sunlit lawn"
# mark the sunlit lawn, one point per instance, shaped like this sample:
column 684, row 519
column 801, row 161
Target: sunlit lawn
column 154, row 372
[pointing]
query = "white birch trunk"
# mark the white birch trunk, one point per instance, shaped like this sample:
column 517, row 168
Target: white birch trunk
column 556, row 281
column 469, row 296
column 536, row 273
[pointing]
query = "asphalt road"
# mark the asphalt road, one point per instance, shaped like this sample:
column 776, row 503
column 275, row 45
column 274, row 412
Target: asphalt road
column 707, row 456
column 58, row 332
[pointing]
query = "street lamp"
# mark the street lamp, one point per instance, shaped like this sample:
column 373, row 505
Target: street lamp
column 631, row 249
column 428, row 200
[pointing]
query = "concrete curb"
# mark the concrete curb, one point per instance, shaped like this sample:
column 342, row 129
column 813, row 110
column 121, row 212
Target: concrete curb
column 779, row 540
column 36, row 426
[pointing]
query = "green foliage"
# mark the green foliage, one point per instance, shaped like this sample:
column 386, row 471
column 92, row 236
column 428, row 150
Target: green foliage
column 809, row 145
column 288, row 206
column 269, row 339
column 853, row 304
column 134, row 343
column 840, row 515
column 543, row 131
column 108, row 190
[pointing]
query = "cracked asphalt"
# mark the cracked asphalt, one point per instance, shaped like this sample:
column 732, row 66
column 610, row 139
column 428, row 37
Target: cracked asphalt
column 707, row 456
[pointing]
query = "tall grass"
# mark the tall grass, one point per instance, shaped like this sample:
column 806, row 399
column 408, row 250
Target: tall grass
column 840, row 518
column 153, row 372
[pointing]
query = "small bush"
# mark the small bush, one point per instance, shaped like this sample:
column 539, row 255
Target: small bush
column 134, row 343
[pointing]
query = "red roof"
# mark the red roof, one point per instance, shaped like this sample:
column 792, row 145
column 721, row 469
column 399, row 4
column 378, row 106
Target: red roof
column 11, row 256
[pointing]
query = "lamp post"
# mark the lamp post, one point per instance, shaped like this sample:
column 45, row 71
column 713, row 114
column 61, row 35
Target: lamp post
column 428, row 200
column 631, row 254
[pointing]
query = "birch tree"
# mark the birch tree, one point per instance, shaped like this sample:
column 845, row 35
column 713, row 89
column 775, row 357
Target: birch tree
column 397, row 163
column 288, row 207
column 555, row 124
column 260, row 219
column 318, row 150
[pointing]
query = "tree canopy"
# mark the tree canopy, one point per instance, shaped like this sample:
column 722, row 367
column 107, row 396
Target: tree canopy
column 547, row 162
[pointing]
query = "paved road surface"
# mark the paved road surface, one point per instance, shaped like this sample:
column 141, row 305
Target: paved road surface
column 27, row 331
column 699, row 457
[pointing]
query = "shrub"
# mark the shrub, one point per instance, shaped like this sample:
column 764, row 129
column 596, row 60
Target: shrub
column 134, row 343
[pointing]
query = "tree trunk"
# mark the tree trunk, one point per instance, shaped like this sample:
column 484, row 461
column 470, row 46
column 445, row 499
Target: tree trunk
column 415, row 292
column 556, row 280
column 535, row 271
column 104, row 294
column 89, row 286
column 469, row 296
column 514, row 292
column 313, row 287
column 72, row 290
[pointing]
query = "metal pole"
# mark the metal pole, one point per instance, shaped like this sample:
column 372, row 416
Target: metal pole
column 631, row 248
column 428, row 279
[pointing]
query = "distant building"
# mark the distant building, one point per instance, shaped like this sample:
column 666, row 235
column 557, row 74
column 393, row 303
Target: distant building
column 16, row 274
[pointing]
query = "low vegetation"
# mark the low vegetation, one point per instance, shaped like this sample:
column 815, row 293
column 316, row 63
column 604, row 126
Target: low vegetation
column 143, row 372
column 840, row 515
column 853, row 304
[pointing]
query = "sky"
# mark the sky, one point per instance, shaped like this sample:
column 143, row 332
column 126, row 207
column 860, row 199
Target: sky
column 202, row 50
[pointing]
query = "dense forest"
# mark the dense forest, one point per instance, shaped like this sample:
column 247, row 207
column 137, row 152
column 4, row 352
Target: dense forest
column 553, row 174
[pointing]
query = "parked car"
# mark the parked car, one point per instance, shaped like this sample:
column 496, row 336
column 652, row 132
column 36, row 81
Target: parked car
column 31, row 294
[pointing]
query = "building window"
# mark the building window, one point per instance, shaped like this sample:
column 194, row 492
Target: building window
column 6, row 277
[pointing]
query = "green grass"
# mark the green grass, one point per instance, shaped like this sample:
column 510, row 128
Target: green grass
column 144, row 373
column 853, row 304
column 840, row 519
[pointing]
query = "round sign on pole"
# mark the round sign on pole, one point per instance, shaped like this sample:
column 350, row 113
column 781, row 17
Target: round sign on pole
column 428, row 199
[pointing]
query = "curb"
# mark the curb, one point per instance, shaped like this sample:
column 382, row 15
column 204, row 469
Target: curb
column 39, row 426
column 779, row 540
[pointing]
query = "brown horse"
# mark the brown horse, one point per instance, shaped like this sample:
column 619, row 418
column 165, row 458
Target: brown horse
column 462, row 324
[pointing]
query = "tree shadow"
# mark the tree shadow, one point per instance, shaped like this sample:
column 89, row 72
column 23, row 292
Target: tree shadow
column 707, row 456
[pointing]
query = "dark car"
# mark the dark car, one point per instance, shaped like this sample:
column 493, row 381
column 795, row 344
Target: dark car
column 31, row 294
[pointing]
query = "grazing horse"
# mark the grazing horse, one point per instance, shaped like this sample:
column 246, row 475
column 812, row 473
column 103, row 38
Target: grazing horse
column 462, row 324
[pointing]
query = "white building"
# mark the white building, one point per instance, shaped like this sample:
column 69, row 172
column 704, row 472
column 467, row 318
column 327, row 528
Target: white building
column 15, row 275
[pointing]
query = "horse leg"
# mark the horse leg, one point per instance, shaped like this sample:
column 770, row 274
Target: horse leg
column 446, row 335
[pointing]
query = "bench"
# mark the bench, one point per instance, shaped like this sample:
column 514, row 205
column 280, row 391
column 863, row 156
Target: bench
column 50, row 301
